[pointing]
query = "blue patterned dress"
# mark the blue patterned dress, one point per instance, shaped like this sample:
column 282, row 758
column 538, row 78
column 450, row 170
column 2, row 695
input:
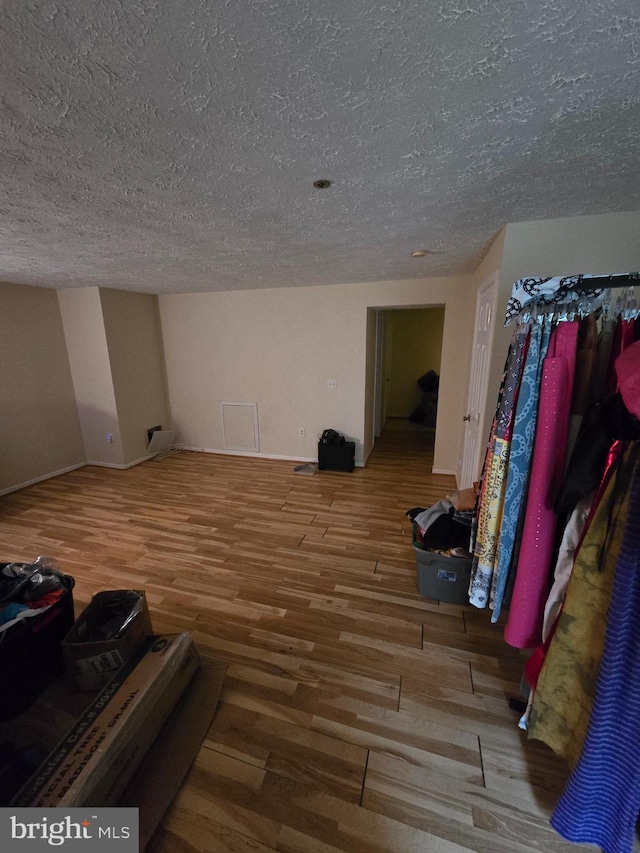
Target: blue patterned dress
column 522, row 441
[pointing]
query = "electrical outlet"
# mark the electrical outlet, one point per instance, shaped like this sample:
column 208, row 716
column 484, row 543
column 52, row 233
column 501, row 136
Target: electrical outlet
column 332, row 384
column 301, row 432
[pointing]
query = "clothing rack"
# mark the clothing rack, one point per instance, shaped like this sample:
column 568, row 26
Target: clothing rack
column 559, row 499
column 616, row 280
column 549, row 290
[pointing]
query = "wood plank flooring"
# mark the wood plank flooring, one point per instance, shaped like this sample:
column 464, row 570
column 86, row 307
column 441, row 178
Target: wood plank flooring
column 356, row 715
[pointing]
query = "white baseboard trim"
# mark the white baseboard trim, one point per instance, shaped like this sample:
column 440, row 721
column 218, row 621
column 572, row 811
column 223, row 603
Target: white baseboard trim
column 122, row 466
column 44, row 477
column 252, row 454
column 41, row 479
column 443, row 471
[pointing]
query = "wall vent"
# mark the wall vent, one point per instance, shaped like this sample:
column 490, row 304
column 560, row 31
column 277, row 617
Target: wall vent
column 240, row 427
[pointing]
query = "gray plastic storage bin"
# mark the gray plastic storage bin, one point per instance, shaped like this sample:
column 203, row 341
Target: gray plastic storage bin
column 443, row 578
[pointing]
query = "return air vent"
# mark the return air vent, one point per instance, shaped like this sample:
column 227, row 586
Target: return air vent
column 240, row 427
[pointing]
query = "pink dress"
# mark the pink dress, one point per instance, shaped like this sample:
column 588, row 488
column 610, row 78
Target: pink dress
column 524, row 626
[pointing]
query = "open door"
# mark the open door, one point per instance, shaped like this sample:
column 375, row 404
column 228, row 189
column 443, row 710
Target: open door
column 384, row 346
column 380, row 414
column 474, row 442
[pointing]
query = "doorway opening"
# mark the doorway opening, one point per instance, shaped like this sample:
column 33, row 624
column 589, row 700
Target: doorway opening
column 408, row 356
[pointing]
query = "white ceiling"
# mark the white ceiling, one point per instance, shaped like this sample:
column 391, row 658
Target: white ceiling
column 171, row 146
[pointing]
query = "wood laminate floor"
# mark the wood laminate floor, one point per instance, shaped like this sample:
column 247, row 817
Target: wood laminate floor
column 356, row 715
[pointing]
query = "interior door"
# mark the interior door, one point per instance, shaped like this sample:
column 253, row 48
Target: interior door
column 474, row 442
column 386, row 365
column 379, row 413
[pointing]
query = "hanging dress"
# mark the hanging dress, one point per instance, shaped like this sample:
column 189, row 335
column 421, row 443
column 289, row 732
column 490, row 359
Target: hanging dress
column 584, row 375
column 524, row 627
column 524, row 428
column 566, row 686
column 603, row 358
column 494, row 478
column 601, row 803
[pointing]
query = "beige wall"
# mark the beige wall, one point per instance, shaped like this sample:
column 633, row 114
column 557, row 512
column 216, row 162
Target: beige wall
column 39, row 427
column 136, row 359
column 580, row 244
column 115, row 351
column 274, row 347
column 279, row 347
column 81, row 310
column 416, row 349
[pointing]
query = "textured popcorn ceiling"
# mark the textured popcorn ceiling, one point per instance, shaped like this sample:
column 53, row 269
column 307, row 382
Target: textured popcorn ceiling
column 164, row 146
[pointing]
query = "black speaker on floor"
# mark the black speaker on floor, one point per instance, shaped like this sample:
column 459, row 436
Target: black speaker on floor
column 336, row 457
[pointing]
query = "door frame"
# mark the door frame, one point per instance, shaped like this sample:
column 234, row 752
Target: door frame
column 380, row 414
column 382, row 353
column 492, row 283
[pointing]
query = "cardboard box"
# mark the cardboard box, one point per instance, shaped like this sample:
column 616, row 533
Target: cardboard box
column 98, row 756
column 89, row 662
column 163, row 769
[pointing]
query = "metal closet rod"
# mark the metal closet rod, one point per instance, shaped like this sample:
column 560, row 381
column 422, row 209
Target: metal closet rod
column 617, row 280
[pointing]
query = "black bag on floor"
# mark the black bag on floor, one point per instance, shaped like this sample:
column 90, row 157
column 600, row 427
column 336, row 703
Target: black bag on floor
column 30, row 648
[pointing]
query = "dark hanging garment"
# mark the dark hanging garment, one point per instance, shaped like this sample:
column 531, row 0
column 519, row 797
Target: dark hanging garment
column 601, row 803
column 610, row 421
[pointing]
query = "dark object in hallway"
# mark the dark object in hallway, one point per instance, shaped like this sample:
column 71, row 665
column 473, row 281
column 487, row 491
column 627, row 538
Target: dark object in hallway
column 425, row 413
